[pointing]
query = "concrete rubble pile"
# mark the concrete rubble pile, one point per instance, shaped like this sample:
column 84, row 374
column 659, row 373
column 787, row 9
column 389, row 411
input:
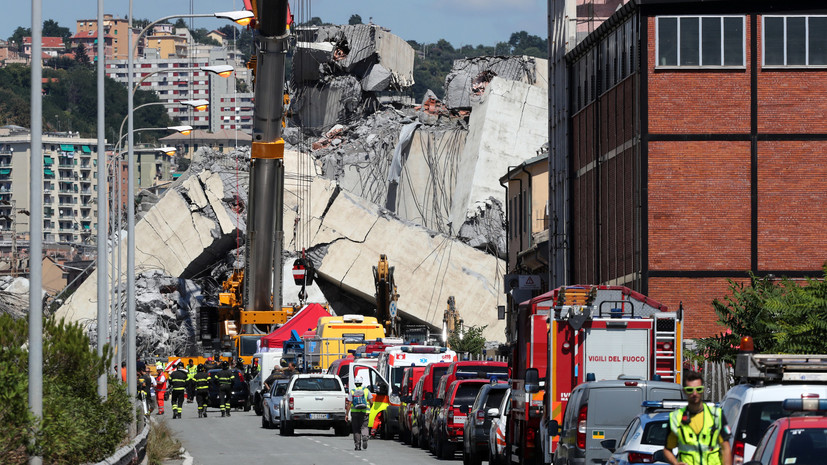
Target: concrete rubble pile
column 14, row 296
column 363, row 179
column 438, row 165
column 339, row 73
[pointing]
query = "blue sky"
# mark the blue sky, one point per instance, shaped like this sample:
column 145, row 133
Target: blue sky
column 460, row 22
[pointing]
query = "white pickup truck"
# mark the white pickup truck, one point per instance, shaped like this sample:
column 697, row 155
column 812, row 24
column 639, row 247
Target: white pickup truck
column 314, row 401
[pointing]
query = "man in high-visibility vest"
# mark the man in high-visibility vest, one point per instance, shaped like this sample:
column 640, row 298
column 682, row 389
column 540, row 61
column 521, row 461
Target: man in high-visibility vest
column 358, row 403
column 178, row 379
column 700, row 432
column 161, row 389
column 191, row 371
column 202, row 390
column 226, row 378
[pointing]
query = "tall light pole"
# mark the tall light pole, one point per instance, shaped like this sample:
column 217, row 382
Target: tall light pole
column 240, row 17
column 103, row 305
column 36, row 226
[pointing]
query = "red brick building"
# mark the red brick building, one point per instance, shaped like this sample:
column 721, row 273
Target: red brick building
column 698, row 149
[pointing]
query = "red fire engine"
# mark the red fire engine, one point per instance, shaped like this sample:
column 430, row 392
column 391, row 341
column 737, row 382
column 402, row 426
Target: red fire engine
column 573, row 333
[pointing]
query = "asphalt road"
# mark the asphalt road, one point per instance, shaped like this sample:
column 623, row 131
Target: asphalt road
column 240, row 440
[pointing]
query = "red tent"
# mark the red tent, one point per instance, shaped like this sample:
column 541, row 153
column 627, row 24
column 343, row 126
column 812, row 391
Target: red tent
column 304, row 320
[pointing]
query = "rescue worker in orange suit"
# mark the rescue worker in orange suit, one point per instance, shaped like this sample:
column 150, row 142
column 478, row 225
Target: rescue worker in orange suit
column 178, row 380
column 202, row 390
column 161, row 389
column 225, row 388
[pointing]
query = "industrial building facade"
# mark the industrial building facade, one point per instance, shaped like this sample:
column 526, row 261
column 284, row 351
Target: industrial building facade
column 698, row 149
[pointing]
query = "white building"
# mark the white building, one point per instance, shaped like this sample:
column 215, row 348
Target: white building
column 174, row 81
column 70, row 185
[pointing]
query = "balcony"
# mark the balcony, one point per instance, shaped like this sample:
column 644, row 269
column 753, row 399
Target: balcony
column 68, row 202
column 5, row 152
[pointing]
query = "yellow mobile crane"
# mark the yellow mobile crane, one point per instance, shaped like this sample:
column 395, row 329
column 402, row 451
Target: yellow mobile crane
column 247, row 307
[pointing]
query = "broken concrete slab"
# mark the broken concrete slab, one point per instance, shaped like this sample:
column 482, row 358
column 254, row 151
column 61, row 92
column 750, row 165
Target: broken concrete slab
column 470, row 76
column 506, row 127
column 429, row 267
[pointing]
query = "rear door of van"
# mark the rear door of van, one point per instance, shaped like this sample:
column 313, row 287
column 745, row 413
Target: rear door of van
column 610, row 409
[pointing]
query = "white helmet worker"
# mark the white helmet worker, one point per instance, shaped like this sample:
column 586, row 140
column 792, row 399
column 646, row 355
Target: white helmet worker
column 358, row 381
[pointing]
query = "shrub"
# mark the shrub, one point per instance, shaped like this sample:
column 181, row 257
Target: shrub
column 77, row 426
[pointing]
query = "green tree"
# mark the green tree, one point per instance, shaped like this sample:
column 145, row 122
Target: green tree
column 180, row 24
column 52, row 29
column 18, row 35
column 200, row 36
column 471, row 342
column 81, row 56
column 783, row 316
column 77, row 425
column 355, row 19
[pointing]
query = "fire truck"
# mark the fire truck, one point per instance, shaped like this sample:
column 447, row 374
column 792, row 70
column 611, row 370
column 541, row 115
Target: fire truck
column 577, row 333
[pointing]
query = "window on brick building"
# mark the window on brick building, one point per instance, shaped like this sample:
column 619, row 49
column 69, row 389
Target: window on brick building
column 700, row 41
column 795, row 40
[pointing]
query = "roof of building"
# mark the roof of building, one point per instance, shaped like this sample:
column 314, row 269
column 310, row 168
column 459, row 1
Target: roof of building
column 89, row 35
column 50, row 42
column 216, row 31
column 201, row 135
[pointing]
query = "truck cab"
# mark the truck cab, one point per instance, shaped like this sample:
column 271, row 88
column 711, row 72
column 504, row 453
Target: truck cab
column 337, row 335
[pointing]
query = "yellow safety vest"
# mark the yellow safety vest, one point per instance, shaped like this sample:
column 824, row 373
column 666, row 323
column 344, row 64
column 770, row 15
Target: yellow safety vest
column 698, row 449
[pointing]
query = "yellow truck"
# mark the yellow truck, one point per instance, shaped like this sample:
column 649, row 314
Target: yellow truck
column 336, row 335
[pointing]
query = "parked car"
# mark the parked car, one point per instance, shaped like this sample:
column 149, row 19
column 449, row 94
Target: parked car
column 478, row 422
column 600, row 410
column 645, row 435
column 417, row 410
column 410, row 377
column 271, row 404
column 496, row 433
column 449, row 424
column 433, row 374
column 799, row 440
column 240, row 396
column 316, row 401
column 751, row 409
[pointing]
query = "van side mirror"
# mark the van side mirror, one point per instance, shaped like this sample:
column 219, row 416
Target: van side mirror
column 463, row 409
column 493, row 412
column 609, row 444
column 553, row 428
column 532, row 381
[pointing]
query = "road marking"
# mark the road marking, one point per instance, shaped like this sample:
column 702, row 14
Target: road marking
column 351, row 452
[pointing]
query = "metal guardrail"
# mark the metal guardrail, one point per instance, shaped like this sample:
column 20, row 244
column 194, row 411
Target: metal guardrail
column 132, row 453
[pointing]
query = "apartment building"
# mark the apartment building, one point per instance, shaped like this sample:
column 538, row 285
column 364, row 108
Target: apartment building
column 174, row 80
column 117, row 33
column 70, row 213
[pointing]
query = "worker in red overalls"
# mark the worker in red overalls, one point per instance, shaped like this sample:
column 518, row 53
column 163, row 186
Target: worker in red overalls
column 161, row 389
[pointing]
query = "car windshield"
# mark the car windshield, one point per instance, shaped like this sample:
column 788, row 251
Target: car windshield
column 279, row 389
column 804, row 446
column 655, row 433
column 437, row 374
column 495, row 397
column 316, row 384
column 466, row 393
column 757, row 417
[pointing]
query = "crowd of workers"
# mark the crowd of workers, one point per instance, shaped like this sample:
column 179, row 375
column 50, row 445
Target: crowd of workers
column 175, row 382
